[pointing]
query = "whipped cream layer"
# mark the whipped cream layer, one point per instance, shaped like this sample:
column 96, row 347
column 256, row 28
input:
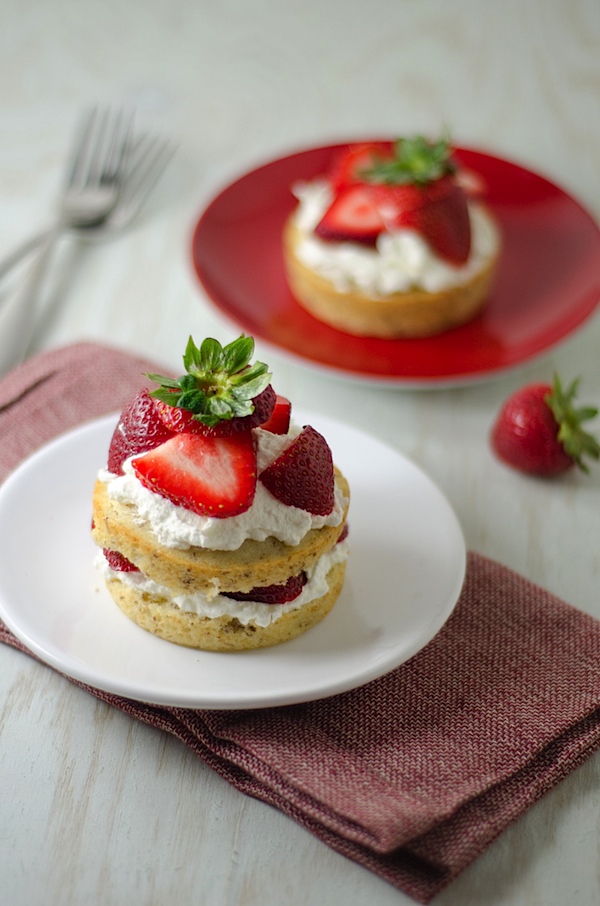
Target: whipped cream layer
column 219, row 605
column 176, row 527
column 401, row 261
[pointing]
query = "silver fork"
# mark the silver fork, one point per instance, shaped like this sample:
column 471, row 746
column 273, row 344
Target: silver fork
column 147, row 158
column 91, row 191
column 96, row 169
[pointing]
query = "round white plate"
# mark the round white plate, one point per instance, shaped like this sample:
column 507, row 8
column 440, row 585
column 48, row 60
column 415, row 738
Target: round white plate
column 404, row 576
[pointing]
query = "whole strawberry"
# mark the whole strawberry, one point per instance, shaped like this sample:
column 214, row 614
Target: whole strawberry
column 539, row 430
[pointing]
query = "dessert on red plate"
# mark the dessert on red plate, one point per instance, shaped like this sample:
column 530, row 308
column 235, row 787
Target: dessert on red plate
column 393, row 241
column 222, row 522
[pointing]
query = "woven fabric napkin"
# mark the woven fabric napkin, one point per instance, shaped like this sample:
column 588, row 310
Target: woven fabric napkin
column 414, row 774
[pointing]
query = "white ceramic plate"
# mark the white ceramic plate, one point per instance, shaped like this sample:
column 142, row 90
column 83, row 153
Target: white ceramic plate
column 404, row 576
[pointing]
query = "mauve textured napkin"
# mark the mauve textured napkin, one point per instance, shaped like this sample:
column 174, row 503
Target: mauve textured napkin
column 414, row 774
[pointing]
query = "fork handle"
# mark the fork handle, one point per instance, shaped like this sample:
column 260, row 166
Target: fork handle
column 17, row 311
column 17, row 255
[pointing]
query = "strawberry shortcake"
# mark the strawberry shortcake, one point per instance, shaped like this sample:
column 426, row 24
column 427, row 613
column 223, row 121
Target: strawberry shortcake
column 393, row 241
column 221, row 522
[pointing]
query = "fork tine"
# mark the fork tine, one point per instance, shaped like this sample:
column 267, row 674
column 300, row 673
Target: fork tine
column 102, row 148
column 82, row 145
column 140, row 149
column 118, row 150
column 109, row 147
column 149, row 154
column 148, row 158
column 97, row 148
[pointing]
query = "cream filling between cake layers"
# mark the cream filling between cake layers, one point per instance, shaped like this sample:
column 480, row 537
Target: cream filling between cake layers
column 176, row 527
column 401, row 261
column 245, row 611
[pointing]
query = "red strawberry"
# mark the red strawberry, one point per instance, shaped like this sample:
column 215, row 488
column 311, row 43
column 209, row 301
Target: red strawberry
column 411, row 183
column 344, row 533
column 349, row 165
column 177, row 419
column 353, row 216
column 438, row 211
column 118, row 562
column 539, row 431
column 211, row 476
column 139, row 429
column 279, row 420
column 397, row 201
column 303, row 475
column 273, row 594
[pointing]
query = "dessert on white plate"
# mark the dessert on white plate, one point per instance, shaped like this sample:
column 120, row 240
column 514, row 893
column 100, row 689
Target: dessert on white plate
column 222, row 523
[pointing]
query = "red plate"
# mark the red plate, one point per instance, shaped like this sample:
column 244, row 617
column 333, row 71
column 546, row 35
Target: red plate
column 548, row 280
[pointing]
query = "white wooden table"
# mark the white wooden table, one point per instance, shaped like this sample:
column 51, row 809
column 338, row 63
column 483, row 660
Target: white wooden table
column 95, row 808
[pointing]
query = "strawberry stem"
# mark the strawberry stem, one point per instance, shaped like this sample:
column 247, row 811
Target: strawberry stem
column 416, row 161
column 219, row 383
column 576, row 442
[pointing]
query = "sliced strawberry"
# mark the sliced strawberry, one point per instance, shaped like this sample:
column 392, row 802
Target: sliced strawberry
column 211, row 476
column 412, row 183
column 344, row 533
column 438, row 211
column 353, row 216
column 395, row 202
column 118, row 562
column 303, row 475
column 446, row 225
column 272, row 594
column 349, row 165
column 139, row 429
column 279, row 421
column 177, row 419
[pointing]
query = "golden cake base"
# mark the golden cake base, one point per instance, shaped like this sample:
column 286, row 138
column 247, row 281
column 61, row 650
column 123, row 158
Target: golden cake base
column 224, row 633
column 408, row 314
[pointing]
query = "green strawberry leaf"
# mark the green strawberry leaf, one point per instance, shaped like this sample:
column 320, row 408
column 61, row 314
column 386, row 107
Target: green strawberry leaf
column 237, row 355
column 219, row 383
column 416, row 161
column 576, row 442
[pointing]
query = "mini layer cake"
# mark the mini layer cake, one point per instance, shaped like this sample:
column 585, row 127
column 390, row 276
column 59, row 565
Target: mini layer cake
column 393, row 241
column 222, row 523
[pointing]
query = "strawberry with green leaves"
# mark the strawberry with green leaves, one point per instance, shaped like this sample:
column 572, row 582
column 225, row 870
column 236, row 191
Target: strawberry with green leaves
column 410, row 184
column 539, row 430
column 220, row 393
column 191, row 440
column 207, row 460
